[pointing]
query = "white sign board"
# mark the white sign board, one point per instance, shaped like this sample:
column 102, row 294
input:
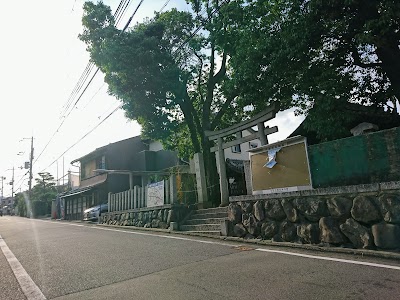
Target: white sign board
column 155, row 194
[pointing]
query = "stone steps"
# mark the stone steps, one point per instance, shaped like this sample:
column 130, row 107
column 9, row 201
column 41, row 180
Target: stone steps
column 212, row 215
column 205, row 233
column 205, row 221
column 201, row 227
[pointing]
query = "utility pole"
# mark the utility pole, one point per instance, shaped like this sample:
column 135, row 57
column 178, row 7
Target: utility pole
column 30, row 169
column 2, row 179
column 12, row 184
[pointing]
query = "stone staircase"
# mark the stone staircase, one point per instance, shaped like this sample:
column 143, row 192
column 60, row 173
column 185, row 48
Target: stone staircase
column 205, row 221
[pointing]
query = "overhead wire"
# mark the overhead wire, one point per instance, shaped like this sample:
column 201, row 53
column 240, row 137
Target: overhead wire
column 120, row 106
column 89, row 67
column 118, row 15
column 89, row 132
column 165, row 4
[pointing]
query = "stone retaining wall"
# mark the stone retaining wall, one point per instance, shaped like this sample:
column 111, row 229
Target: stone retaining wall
column 155, row 217
column 366, row 217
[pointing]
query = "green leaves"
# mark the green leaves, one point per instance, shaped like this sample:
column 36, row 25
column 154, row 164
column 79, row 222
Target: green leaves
column 318, row 56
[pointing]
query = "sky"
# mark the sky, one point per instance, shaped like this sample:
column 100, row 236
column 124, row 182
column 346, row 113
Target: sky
column 42, row 60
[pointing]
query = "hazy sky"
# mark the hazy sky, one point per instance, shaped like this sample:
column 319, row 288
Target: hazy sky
column 41, row 62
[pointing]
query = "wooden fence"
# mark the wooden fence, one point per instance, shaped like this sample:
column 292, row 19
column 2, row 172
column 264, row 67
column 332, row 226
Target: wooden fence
column 137, row 197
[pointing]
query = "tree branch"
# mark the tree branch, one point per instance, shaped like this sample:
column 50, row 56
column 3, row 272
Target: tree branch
column 222, row 71
column 200, row 75
column 210, row 89
column 222, row 110
column 358, row 62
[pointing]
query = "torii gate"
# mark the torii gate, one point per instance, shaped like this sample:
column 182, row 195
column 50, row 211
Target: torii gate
column 258, row 120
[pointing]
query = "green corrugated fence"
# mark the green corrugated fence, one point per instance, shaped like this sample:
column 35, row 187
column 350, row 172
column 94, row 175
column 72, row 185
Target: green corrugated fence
column 369, row 158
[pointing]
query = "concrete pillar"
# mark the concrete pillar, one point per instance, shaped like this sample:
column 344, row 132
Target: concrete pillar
column 223, row 181
column 130, row 198
column 130, row 181
column 261, row 135
column 201, row 183
column 144, row 186
column 167, row 199
column 135, row 197
column 173, row 191
column 247, row 176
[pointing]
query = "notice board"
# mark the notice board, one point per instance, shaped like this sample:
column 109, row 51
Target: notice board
column 155, row 194
column 280, row 167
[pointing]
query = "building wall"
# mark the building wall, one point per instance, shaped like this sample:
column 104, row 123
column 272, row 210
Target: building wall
column 155, row 146
column 369, row 158
column 123, row 155
column 88, row 168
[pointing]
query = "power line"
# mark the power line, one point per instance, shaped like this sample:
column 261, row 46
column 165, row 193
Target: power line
column 120, row 106
column 134, row 13
column 118, row 15
column 165, row 4
column 93, row 129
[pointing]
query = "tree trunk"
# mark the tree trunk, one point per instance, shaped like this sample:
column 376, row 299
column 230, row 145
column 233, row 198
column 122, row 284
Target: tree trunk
column 389, row 54
column 212, row 176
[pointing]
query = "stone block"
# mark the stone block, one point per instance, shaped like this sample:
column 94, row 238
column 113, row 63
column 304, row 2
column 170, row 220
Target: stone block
column 365, row 210
column 312, row 208
column 309, row 233
column 386, row 236
column 339, row 206
column 259, row 210
column 288, row 231
column 269, row 229
column 390, row 207
column 274, row 209
column 330, row 232
column 234, row 213
column 173, row 226
column 239, row 230
column 290, row 210
column 358, row 235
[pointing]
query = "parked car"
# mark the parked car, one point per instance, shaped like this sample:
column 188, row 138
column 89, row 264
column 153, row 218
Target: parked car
column 93, row 213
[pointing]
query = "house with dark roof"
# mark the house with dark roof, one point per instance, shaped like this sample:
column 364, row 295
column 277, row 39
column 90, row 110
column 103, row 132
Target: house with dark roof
column 105, row 170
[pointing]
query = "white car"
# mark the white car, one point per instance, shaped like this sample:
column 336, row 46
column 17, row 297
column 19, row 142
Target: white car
column 93, row 213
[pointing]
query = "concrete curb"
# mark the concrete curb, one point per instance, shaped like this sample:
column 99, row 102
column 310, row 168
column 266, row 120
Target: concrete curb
column 359, row 252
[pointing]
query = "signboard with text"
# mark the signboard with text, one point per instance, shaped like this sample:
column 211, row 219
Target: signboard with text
column 155, row 194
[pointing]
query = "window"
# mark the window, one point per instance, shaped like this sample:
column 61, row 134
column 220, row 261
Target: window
column 253, row 145
column 101, row 162
column 236, row 149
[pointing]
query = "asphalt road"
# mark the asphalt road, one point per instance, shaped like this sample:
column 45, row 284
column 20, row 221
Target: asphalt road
column 72, row 261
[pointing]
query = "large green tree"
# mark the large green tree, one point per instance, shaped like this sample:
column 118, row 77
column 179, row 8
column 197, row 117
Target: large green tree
column 43, row 193
column 20, row 204
column 170, row 74
column 337, row 61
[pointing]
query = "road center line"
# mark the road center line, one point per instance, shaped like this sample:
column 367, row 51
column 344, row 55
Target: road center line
column 347, row 261
column 29, row 288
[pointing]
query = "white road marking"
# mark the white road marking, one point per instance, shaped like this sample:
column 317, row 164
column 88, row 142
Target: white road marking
column 29, row 288
column 347, row 261
column 258, row 249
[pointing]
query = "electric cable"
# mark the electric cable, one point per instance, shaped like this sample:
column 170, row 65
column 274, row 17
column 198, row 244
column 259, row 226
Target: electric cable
column 83, row 79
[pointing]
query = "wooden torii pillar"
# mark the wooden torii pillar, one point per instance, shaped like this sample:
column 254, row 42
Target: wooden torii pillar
column 258, row 120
